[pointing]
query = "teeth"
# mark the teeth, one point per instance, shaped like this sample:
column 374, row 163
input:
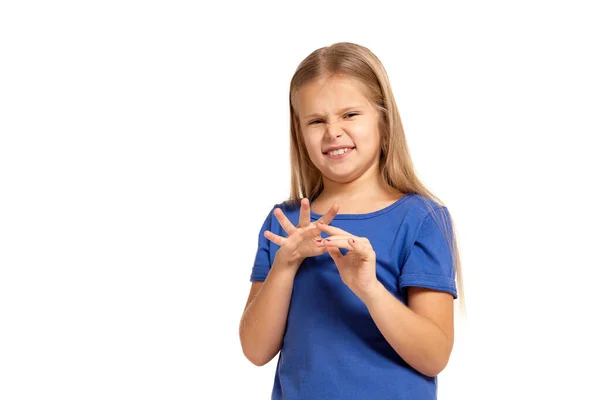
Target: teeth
column 338, row 152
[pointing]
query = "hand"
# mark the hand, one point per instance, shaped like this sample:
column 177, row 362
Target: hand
column 303, row 240
column 357, row 267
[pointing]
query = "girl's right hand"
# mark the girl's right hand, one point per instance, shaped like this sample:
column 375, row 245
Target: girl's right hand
column 303, row 240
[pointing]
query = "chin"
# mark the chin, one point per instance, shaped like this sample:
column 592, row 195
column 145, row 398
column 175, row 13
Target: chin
column 341, row 178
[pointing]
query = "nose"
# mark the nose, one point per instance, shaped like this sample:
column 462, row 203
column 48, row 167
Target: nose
column 333, row 131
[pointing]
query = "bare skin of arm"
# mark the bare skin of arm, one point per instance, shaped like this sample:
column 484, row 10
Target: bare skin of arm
column 264, row 319
column 421, row 332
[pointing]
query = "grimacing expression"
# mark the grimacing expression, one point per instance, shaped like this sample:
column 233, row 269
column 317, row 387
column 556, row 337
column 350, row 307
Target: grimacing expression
column 340, row 127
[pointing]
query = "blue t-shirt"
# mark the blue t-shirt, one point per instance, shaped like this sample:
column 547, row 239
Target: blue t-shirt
column 332, row 348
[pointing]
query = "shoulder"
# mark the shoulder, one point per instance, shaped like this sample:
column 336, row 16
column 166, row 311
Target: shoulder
column 421, row 212
column 420, row 207
column 428, row 218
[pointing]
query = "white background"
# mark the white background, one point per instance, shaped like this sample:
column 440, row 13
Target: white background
column 143, row 143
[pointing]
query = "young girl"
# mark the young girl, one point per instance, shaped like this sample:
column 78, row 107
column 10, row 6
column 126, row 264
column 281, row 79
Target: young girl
column 354, row 278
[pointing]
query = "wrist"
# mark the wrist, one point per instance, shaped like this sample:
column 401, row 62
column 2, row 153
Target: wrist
column 372, row 295
column 281, row 262
column 282, row 275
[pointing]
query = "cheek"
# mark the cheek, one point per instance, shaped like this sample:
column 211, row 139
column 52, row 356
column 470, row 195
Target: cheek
column 313, row 145
column 362, row 136
column 367, row 134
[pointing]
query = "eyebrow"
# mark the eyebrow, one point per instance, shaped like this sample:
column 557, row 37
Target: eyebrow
column 341, row 111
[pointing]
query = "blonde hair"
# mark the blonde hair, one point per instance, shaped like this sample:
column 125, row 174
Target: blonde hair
column 355, row 61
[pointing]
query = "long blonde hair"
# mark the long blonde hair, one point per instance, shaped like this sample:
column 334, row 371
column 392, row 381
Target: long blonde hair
column 396, row 166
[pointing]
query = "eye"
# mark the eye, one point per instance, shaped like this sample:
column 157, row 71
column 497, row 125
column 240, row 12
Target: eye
column 349, row 115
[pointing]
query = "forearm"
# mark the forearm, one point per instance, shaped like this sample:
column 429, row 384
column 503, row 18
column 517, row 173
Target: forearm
column 263, row 323
column 419, row 341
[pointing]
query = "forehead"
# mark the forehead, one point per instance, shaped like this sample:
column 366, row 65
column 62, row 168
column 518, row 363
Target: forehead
column 328, row 95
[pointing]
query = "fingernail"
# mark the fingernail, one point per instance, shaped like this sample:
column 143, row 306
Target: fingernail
column 327, row 240
column 319, row 240
column 352, row 240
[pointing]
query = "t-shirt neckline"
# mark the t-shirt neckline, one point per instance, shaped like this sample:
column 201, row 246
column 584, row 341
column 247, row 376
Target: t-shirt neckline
column 371, row 214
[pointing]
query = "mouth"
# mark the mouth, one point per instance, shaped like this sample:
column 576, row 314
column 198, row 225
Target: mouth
column 339, row 153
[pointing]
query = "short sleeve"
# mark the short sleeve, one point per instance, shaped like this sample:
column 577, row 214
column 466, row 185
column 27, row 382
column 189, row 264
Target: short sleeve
column 430, row 262
column 262, row 260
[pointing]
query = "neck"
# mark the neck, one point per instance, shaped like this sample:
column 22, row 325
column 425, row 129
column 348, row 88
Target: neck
column 369, row 185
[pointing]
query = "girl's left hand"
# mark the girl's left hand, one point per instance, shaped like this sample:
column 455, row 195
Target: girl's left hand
column 357, row 267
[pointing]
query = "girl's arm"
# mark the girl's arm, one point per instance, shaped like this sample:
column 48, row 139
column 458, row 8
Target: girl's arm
column 263, row 322
column 422, row 333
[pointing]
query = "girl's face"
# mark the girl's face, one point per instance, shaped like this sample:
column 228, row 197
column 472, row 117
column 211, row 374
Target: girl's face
column 339, row 127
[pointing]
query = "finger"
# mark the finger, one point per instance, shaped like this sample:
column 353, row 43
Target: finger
column 332, row 230
column 304, row 213
column 309, row 231
column 363, row 249
column 285, row 223
column 278, row 240
column 330, row 215
column 341, row 237
column 338, row 243
column 334, row 252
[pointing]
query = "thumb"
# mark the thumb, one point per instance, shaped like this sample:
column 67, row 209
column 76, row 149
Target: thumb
column 334, row 252
column 362, row 249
